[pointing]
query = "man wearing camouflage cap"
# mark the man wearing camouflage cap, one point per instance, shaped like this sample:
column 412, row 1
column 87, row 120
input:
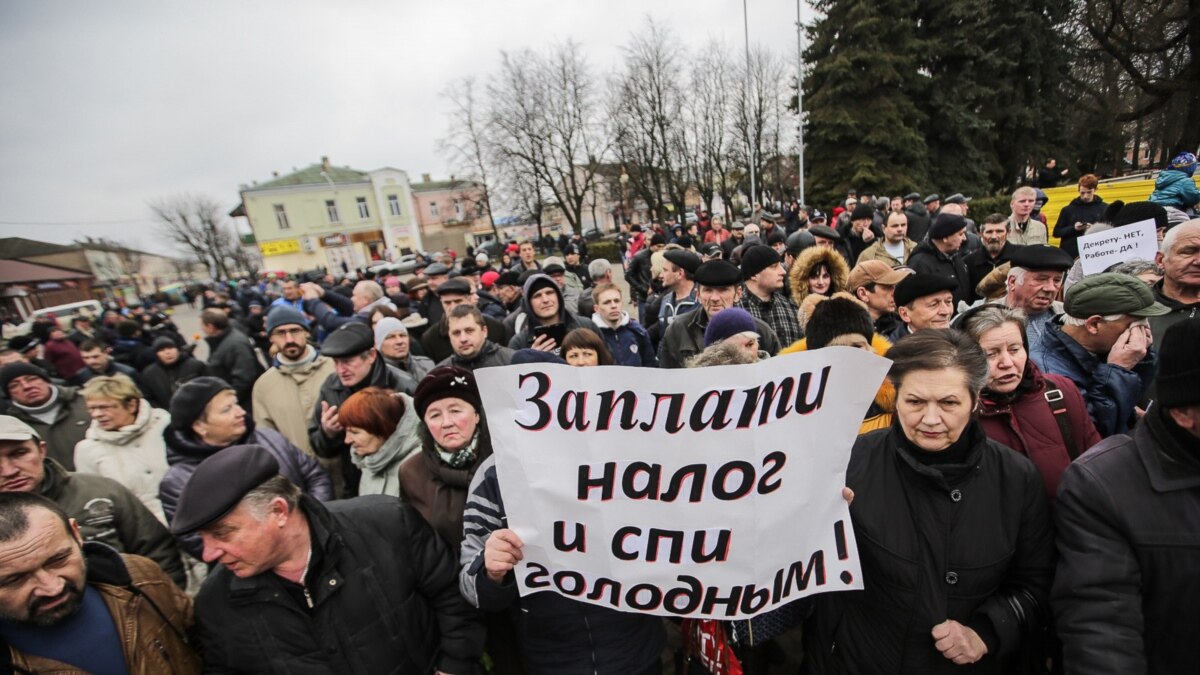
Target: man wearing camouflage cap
column 1103, row 344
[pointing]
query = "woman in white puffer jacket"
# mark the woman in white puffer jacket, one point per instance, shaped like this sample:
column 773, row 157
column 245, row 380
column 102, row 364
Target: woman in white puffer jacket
column 125, row 442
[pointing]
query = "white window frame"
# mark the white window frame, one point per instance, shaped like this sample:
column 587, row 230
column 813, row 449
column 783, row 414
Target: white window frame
column 394, row 205
column 281, row 217
column 331, row 211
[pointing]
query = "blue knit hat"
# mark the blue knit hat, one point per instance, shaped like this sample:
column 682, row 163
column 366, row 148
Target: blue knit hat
column 727, row 323
column 282, row 315
column 1185, row 162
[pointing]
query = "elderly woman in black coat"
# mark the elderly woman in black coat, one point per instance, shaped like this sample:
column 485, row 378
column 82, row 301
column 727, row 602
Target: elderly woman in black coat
column 953, row 532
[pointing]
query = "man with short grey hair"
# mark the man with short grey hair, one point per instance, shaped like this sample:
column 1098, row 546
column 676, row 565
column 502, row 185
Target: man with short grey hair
column 1104, row 345
column 1179, row 289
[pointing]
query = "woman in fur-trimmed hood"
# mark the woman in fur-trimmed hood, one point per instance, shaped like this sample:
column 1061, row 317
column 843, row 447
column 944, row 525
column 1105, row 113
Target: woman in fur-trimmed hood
column 819, row 270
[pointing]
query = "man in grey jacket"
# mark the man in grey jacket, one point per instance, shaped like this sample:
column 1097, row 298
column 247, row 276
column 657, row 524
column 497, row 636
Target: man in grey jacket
column 231, row 355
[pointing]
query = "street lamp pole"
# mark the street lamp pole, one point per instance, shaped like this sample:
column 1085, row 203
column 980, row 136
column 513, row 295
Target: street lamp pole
column 800, row 94
column 746, row 89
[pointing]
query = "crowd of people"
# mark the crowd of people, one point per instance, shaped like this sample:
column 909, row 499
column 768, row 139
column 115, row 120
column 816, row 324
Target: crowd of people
column 319, row 494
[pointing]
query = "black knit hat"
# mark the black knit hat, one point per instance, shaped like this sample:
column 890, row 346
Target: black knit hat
column 189, row 401
column 834, row 317
column 1119, row 213
column 446, row 382
column 1179, row 365
column 946, row 224
column 18, row 369
column 758, row 258
column 920, row 285
column 862, row 212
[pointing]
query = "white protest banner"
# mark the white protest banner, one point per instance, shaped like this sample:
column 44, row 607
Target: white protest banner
column 710, row 492
column 1136, row 241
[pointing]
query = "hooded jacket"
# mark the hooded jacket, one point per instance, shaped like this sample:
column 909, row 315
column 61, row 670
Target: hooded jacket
column 284, row 396
column 380, row 470
column 969, row 541
column 135, row 456
column 524, row 337
column 109, row 513
column 883, row 407
column 384, row 602
column 1126, row 596
column 629, row 342
column 153, row 617
column 839, row 271
column 70, row 425
column 927, row 259
column 1110, row 391
column 1025, row 422
column 159, row 383
column 1176, row 189
column 185, row 452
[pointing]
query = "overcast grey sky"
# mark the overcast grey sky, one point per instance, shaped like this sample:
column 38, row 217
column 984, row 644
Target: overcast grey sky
column 111, row 104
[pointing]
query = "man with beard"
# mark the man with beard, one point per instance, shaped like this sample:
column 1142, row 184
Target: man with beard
column 996, row 251
column 285, row 394
column 1034, row 282
column 67, row 606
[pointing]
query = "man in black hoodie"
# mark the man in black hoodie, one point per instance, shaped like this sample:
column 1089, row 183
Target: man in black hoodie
column 171, row 368
column 544, row 311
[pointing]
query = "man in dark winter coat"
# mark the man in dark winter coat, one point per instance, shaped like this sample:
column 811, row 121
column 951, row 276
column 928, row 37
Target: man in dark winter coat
column 58, row 414
column 1127, row 597
column 938, row 255
column 1075, row 217
column 918, row 217
column 544, row 307
column 357, row 365
column 231, row 355
column 638, row 274
column 98, row 358
column 435, row 341
column 469, row 333
column 356, row 586
column 171, row 368
column 104, row 510
column 996, row 251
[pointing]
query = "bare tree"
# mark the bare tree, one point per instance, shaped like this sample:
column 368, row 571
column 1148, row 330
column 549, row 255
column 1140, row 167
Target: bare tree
column 755, row 112
column 467, row 145
column 707, row 115
column 196, row 223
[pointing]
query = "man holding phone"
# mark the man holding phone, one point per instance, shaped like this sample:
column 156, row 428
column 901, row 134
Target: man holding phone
column 546, row 320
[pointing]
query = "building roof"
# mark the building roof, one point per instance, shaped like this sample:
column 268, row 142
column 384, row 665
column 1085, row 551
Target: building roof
column 21, row 272
column 439, row 185
column 311, row 175
column 19, row 247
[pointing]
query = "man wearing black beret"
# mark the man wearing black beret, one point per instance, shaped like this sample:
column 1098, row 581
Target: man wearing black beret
column 939, row 254
column 1034, row 282
column 356, row 366
column 720, row 287
column 764, row 297
column 923, row 301
column 354, row 586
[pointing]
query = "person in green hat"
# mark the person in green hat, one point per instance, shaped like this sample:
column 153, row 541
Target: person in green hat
column 1103, row 343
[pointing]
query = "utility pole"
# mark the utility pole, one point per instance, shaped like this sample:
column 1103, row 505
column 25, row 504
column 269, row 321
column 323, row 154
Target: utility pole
column 800, row 93
column 746, row 89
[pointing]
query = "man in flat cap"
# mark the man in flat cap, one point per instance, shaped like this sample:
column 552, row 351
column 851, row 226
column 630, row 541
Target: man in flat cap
column 70, row 606
column 764, row 296
column 737, row 237
column 933, row 204
column 939, row 254
column 923, row 301
column 828, row 237
column 1023, row 228
column 359, row 586
column 356, row 366
column 1126, row 598
column 1034, row 282
column 720, row 288
column 104, row 510
column 1103, row 344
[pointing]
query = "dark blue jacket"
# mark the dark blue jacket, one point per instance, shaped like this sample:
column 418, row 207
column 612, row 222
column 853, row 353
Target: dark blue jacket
column 1110, row 391
column 629, row 343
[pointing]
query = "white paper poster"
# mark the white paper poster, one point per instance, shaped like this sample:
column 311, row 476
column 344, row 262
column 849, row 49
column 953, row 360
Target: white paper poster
column 712, row 492
column 1136, row 241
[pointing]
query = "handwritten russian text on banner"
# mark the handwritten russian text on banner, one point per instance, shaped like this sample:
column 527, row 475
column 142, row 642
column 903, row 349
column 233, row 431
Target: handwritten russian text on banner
column 711, row 492
column 1136, row 241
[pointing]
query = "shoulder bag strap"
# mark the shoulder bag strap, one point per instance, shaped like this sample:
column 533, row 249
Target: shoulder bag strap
column 1054, row 398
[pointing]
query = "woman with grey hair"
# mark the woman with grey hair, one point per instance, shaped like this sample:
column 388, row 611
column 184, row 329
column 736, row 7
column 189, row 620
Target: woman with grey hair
column 1040, row 415
column 953, row 533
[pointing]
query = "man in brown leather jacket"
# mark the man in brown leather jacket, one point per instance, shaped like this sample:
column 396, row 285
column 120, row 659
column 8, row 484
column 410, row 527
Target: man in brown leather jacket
column 69, row 607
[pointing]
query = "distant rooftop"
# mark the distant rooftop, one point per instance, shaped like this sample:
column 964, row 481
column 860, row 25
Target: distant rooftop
column 316, row 174
column 436, row 185
column 19, row 247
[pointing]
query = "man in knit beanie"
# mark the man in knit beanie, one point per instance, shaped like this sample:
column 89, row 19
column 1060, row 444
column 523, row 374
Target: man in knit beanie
column 1127, row 516
column 285, row 396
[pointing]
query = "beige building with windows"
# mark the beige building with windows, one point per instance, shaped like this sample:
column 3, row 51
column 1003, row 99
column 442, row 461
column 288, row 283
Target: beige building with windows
column 451, row 213
column 332, row 217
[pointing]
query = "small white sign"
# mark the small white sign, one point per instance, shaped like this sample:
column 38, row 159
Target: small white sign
column 1099, row 251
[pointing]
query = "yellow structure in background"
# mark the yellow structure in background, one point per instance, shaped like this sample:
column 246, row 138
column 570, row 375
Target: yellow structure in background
column 1109, row 190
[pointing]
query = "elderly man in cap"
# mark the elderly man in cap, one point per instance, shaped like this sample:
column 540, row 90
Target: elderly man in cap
column 894, row 247
column 1023, row 228
column 358, row 586
column 939, row 254
column 436, row 341
column 105, row 511
column 1104, row 345
column 764, row 296
column 933, row 205
column 356, row 366
column 737, row 236
column 720, row 288
column 395, row 344
column 679, row 287
column 1034, row 282
column 923, row 301
column 1126, row 597
column 58, row 413
column 874, row 284
column 286, row 394
column 995, row 251
column 507, row 289
column 69, row 606
column 1179, row 289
